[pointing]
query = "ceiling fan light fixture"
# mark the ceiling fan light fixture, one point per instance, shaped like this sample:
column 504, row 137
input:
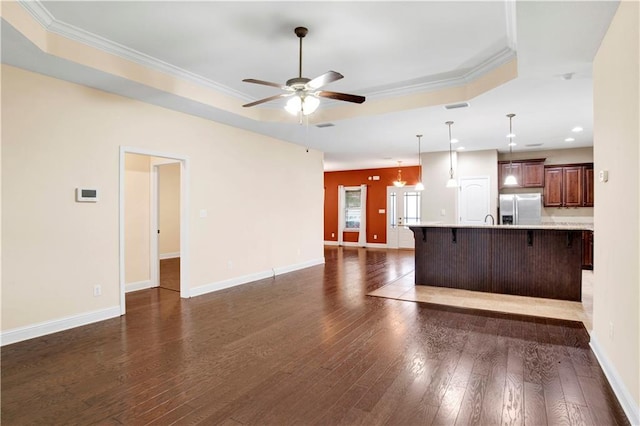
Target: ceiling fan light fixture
column 307, row 105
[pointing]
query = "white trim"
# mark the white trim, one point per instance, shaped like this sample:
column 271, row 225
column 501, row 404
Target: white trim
column 231, row 282
column 297, row 266
column 430, row 83
column 154, row 261
column 48, row 327
column 271, row 273
column 171, row 255
column 331, row 243
column 351, row 244
column 138, row 285
column 630, row 407
column 184, row 217
column 377, row 245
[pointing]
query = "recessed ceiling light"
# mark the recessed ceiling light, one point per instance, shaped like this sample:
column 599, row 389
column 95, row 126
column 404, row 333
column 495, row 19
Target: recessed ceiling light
column 569, row 140
column 460, row 148
column 512, row 144
column 454, row 140
column 577, row 129
column 511, row 135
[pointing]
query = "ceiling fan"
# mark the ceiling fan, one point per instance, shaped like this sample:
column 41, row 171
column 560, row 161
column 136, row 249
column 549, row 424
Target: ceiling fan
column 305, row 91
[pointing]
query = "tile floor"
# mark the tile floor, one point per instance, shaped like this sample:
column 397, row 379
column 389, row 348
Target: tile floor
column 405, row 289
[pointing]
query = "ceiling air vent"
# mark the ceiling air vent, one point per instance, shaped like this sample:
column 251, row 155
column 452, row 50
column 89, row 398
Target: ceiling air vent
column 454, row 106
column 323, row 125
column 534, row 145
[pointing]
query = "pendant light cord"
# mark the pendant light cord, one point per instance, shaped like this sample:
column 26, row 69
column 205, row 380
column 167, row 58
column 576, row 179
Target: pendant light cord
column 449, row 123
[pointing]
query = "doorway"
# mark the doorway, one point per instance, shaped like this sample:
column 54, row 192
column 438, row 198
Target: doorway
column 181, row 164
column 403, row 209
column 166, row 220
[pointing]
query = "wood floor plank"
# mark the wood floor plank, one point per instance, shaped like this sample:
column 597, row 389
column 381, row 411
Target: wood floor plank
column 308, row 347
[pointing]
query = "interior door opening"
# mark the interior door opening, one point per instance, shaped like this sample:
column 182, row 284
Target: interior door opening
column 143, row 190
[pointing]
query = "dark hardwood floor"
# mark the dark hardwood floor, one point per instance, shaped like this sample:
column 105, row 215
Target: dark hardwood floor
column 308, row 347
column 170, row 274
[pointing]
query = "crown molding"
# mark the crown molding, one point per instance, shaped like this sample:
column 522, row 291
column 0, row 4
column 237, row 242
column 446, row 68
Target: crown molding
column 50, row 23
column 445, row 80
column 424, row 84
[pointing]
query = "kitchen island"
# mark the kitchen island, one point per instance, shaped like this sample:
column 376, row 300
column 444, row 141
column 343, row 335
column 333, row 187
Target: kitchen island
column 533, row 260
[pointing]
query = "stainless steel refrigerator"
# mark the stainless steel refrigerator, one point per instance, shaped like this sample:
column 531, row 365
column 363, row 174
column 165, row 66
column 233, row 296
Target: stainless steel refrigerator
column 520, row 209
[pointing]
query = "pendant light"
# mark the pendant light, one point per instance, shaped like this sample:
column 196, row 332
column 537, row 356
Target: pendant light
column 451, row 183
column 510, row 180
column 399, row 182
column 419, row 185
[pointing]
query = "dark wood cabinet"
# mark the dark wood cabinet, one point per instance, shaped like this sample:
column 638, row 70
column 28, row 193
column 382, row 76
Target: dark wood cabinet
column 587, row 249
column 533, row 174
column 553, row 187
column 528, row 173
column 588, row 186
column 505, row 169
column 568, row 185
column 572, row 186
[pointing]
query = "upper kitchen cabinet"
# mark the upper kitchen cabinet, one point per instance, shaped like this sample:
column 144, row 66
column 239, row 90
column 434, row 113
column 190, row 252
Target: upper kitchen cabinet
column 588, row 185
column 568, row 186
column 528, row 173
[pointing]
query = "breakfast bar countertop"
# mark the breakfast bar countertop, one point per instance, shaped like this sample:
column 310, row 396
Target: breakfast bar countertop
column 546, row 226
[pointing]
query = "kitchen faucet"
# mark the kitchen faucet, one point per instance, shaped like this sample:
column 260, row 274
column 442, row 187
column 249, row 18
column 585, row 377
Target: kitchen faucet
column 493, row 221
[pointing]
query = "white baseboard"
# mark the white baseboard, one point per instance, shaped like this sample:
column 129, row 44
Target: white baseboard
column 48, row 327
column 625, row 398
column 297, row 266
column 169, row 255
column 377, row 245
column 138, row 285
column 232, row 282
column 352, row 244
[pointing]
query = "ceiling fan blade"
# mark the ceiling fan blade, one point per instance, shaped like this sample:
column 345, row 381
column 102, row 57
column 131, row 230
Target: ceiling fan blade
column 324, row 79
column 270, row 98
column 341, row 96
column 265, row 83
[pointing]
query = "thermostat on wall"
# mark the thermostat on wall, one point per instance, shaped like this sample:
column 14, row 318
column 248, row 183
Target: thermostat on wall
column 86, row 195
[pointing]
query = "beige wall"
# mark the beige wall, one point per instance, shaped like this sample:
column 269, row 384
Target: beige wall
column 616, row 301
column 481, row 163
column 554, row 156
column 57, row 136
column 169, row 210
column 137, row 217
column 436, row 198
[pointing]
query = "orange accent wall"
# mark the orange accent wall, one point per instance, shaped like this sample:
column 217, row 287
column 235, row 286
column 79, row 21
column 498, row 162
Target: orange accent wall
column 376, row 199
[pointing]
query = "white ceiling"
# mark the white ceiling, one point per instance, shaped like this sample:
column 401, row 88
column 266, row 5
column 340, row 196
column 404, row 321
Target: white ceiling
column 384, row 49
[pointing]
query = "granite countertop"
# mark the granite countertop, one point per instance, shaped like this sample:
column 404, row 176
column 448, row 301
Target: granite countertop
column 551, row 226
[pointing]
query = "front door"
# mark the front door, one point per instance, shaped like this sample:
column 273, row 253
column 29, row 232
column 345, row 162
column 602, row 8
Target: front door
column 403, row 209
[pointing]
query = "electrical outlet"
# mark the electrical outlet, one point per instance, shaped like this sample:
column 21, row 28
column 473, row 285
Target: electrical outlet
column 375, row 236
column 333, row 234
column 97, row 290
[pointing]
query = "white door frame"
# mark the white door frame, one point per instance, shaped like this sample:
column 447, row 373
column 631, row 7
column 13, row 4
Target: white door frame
column 154, row 207
column 184, row 218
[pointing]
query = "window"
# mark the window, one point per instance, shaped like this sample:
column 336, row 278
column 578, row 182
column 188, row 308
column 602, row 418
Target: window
column 411, row 208
column 352, row 209
column 392, row 209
